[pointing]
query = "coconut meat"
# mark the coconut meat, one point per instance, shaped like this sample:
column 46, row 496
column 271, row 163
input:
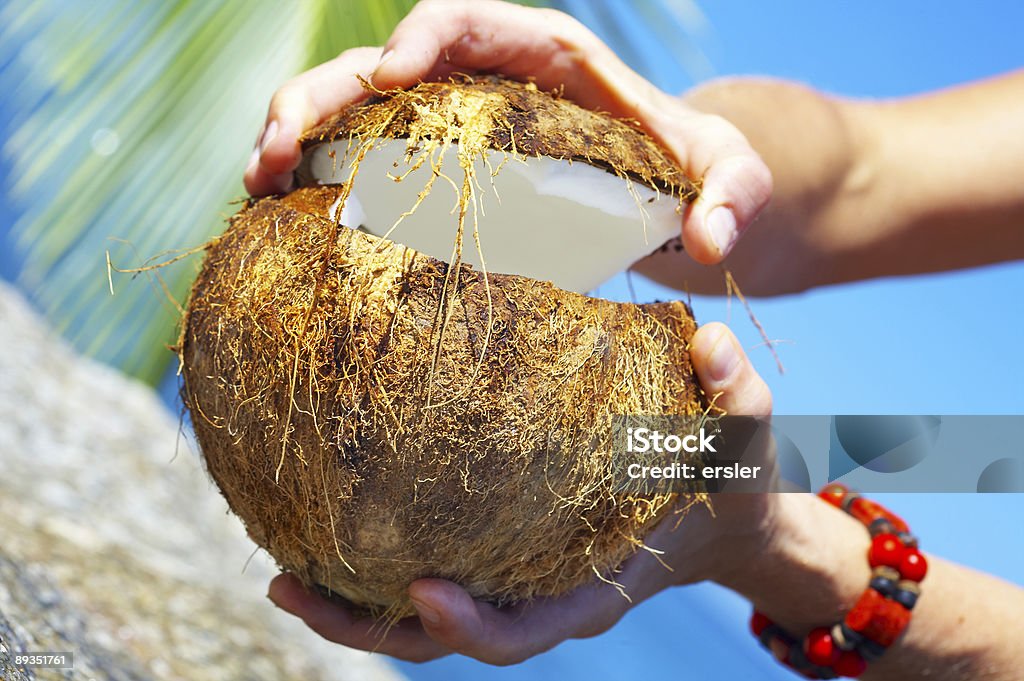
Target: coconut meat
column 551, row 219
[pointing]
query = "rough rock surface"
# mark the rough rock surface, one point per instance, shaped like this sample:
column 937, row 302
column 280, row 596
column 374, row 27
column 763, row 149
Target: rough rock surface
column 113, row 543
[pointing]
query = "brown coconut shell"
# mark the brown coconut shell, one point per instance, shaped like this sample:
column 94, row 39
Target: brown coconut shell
column 494, row 113
column 375, row 416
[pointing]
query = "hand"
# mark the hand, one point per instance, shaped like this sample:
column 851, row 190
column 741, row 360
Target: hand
column 441, row 37
column 701, row 547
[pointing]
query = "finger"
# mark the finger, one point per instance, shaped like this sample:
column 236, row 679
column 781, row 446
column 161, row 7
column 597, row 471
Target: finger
column 405, row 640
column 482, row 35
column 726, row 374
column 508, row 636
column 297, row 106
column 442, row 36
column 736, row 187
column 550, row 48
column 259, row 182
column 736, row 184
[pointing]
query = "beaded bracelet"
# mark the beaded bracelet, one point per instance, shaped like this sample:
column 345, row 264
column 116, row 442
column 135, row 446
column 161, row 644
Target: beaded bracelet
column 879, row 616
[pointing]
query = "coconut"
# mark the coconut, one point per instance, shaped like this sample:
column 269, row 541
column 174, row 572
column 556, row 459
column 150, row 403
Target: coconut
column 376, row 412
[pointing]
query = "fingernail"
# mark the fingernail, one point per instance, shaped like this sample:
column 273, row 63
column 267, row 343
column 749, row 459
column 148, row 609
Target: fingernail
column 254, row 160
column 723, row 359
column 426, row 612
column 721, row 224
column 383, row 58
column 268, row 136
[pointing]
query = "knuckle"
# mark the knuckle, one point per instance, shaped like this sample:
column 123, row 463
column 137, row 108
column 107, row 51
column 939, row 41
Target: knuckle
column 568, row 26
column 761, row 179
column 765, row 403
column 503, row 657
column 592, row 629
column 748, row 172
column 283, row 95
column 719, row 129
column 419, row 656
column 433, row 16
column 437, row 8
column 497, row 651
column 556, row 16
column 359, row 53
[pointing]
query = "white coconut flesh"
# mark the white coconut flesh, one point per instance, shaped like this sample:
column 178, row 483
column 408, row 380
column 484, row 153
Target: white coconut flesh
column 566, row 222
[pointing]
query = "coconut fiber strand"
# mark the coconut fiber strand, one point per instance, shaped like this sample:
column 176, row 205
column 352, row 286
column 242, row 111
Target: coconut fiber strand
column 375, row 415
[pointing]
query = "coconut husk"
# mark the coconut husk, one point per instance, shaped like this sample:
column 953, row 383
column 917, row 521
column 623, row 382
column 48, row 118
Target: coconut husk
column 494, row 113
column 375, row 415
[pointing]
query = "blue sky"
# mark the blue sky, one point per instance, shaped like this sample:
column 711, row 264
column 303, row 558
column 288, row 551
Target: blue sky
column 939, row 344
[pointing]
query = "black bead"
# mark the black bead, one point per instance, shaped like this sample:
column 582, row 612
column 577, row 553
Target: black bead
column 883, row 585
column 908, row 599
column 850, row 635
column 870, row 650
column 798, row 659
column 848, row 500
column 907, row 539
column 881, row 526
column 839, row 638
column 770, row 633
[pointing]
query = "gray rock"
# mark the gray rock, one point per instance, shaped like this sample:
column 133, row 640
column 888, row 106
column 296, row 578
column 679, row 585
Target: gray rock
column 115, row 546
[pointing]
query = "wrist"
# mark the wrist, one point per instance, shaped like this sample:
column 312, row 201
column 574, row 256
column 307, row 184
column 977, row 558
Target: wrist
column 809, row 566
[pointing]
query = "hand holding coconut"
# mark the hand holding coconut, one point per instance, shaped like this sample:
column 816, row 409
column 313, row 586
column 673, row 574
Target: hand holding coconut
column 703, row 546
column 442, row 37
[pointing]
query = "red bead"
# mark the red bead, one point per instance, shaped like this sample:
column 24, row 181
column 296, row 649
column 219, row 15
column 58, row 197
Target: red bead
column 758, row 623
column 820, row 649
column 834, row 494
column 887, row 550
column 850, row 664
column 913, row 566
column 878, row 618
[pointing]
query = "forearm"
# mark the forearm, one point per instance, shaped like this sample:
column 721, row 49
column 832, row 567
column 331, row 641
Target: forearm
column 814, row 568
column 944, row 181
column 866, row 189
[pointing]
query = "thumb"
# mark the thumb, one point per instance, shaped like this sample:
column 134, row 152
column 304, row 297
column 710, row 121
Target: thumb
column 726, row 374
column 735, row 182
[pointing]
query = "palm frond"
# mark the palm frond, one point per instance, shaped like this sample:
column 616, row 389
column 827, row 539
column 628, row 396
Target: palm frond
column 133, row 121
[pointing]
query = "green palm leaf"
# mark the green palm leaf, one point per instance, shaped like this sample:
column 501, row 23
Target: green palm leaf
column 143, row 114
column 133, row 121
